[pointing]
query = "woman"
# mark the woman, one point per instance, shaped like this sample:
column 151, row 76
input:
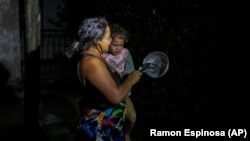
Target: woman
column 104, row 92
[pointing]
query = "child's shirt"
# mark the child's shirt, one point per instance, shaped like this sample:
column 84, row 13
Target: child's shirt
column 122, row 63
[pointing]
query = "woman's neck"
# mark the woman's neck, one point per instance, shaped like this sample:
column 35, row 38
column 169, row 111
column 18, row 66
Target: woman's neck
column 94, row 51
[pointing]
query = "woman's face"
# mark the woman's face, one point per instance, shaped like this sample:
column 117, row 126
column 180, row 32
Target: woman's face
column 105, row 42
column 116, row 46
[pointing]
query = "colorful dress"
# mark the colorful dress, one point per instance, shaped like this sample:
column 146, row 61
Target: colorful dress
column 101, row 120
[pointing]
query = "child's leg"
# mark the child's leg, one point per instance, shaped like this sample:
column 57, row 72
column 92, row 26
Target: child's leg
column 130, row 118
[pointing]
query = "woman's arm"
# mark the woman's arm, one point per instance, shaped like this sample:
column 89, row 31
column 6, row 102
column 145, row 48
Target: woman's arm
column 94, row 70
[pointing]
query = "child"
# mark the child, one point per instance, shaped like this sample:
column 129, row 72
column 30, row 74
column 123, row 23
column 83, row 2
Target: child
column 121, row 60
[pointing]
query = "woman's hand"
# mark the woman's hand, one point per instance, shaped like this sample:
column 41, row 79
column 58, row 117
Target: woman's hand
column 134, row 76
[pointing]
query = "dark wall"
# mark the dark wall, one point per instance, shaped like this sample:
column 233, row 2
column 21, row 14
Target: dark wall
column 10, row 48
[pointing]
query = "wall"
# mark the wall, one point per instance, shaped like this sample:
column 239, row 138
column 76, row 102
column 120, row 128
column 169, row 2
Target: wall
column 10, row 48
column 51, row 12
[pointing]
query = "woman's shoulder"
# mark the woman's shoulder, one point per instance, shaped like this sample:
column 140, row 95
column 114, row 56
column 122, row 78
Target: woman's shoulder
column 92, row 61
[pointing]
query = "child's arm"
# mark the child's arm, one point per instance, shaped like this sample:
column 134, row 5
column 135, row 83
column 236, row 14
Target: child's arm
column 129, row 64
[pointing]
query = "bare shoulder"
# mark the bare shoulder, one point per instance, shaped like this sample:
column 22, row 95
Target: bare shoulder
column 91, row 61
column 91, row 64
column 95, row 70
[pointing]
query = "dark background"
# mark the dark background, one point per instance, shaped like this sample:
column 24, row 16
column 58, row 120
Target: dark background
column 202, row 88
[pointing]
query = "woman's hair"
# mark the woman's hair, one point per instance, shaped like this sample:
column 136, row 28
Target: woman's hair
column 118, row 31
column 90, row 32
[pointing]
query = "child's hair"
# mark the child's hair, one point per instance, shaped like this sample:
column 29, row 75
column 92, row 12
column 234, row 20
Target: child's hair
column 118, row 31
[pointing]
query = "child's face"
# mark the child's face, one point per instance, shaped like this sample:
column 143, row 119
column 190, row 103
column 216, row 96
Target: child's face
column 116, row 46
